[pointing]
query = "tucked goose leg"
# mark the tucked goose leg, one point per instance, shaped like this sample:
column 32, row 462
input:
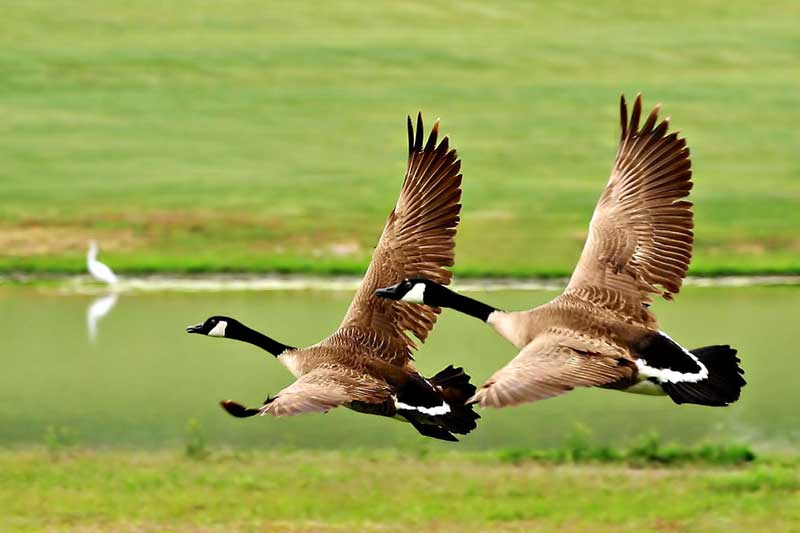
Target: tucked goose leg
column 238, row 410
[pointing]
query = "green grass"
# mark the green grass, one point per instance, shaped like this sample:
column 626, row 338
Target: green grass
column 196, row 136
column 579, row 447
column 385, row 491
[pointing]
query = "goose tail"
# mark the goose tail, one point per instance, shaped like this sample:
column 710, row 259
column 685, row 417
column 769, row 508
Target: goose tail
column 720, row 387
column 437, row 407
column 456, row 389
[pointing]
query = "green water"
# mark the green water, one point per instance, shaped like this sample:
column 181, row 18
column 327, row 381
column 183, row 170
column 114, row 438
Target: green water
column 144, row 378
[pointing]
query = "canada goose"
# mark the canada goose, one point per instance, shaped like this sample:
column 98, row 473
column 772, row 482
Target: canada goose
column 600, row 331
column 366, row 363
column 98, row 270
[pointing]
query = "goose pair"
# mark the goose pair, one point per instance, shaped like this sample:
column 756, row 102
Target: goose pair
column 600, row 332
column 366, row 363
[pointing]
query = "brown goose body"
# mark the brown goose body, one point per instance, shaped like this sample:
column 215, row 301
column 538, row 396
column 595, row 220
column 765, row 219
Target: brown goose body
column 600, row 331
column 366, row 363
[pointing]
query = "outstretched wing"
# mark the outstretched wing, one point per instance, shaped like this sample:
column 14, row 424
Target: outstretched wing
column 418, row 240
column 552, row 365
column 640, row 237
column 323, row 389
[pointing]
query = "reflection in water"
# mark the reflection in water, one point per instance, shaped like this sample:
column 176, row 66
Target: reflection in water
column 151, row 378
column 99, row 308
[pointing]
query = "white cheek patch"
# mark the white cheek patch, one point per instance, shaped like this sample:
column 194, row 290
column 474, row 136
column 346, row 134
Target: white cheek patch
column 416, row 295
column 219, row 329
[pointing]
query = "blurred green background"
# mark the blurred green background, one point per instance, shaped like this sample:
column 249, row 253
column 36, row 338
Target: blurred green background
column 199, row 136
column 202, row 136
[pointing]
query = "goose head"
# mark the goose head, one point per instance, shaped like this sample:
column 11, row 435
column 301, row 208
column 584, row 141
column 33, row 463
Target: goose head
column 417, row 291
column 218, row 326
column 230, row 328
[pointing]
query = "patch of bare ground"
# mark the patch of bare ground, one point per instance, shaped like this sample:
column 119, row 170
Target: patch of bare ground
column 141, row 230
column 115, row 231
column 34, row 240
column 757, row 247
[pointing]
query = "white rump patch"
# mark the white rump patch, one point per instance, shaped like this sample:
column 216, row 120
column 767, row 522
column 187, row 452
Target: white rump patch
column 430, row 411
column 416, row 295
column 218, row 330
column 666, row 375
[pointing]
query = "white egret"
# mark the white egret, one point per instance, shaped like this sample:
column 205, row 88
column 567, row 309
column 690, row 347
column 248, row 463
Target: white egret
column 98, row 270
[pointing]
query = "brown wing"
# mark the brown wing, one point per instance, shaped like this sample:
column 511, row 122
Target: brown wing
column 640, row 237
column 323, row 389
column 418, row 240
column 549, row 366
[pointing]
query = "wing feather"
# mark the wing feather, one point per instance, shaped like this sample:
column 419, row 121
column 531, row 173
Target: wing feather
column 641, row 234
column 321, row 390
column 418, row 240
column 549, row 366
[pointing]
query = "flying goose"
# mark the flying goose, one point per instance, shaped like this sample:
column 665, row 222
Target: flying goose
column 600, row 331
column 99, row 271
column 366, row 363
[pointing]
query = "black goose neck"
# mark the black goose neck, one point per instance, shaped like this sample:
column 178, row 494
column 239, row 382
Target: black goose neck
column 465, row 304
column 251, row 336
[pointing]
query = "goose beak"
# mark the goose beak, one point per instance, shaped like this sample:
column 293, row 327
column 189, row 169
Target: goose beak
column 195, row 329
column 390, row 293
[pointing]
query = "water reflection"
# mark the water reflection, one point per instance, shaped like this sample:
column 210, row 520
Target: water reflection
column 144, row 378
column 99, row 308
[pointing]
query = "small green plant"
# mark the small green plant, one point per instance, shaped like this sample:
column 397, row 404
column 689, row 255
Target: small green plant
column 58, row 439
column 195, row 441
column 648, row 448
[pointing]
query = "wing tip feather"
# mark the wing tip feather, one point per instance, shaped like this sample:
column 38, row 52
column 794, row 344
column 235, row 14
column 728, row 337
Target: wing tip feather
column 410, row 126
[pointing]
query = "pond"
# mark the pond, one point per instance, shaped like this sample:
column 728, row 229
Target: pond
column 143, row 378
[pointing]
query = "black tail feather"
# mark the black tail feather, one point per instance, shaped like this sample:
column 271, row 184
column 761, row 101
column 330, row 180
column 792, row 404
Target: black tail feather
column 429, row 430
column 452, row 386
column 723, row 384
column 456, row 390
column 455, row 385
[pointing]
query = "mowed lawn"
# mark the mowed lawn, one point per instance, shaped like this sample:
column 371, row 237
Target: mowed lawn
column 197, row 136
column 383, row 491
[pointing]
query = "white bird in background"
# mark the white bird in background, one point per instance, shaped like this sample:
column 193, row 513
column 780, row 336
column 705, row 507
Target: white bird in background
column 99, row 308
column 98, row 270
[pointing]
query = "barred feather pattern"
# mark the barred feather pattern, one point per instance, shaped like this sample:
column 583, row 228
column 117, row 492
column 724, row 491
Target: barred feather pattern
column 322, row 389
column 551, row 365
column 362, row 364
column 640, row 237
column 418, row 240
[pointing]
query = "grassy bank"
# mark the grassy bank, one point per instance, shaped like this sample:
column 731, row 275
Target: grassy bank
column 386, row 491
column 204, row 137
